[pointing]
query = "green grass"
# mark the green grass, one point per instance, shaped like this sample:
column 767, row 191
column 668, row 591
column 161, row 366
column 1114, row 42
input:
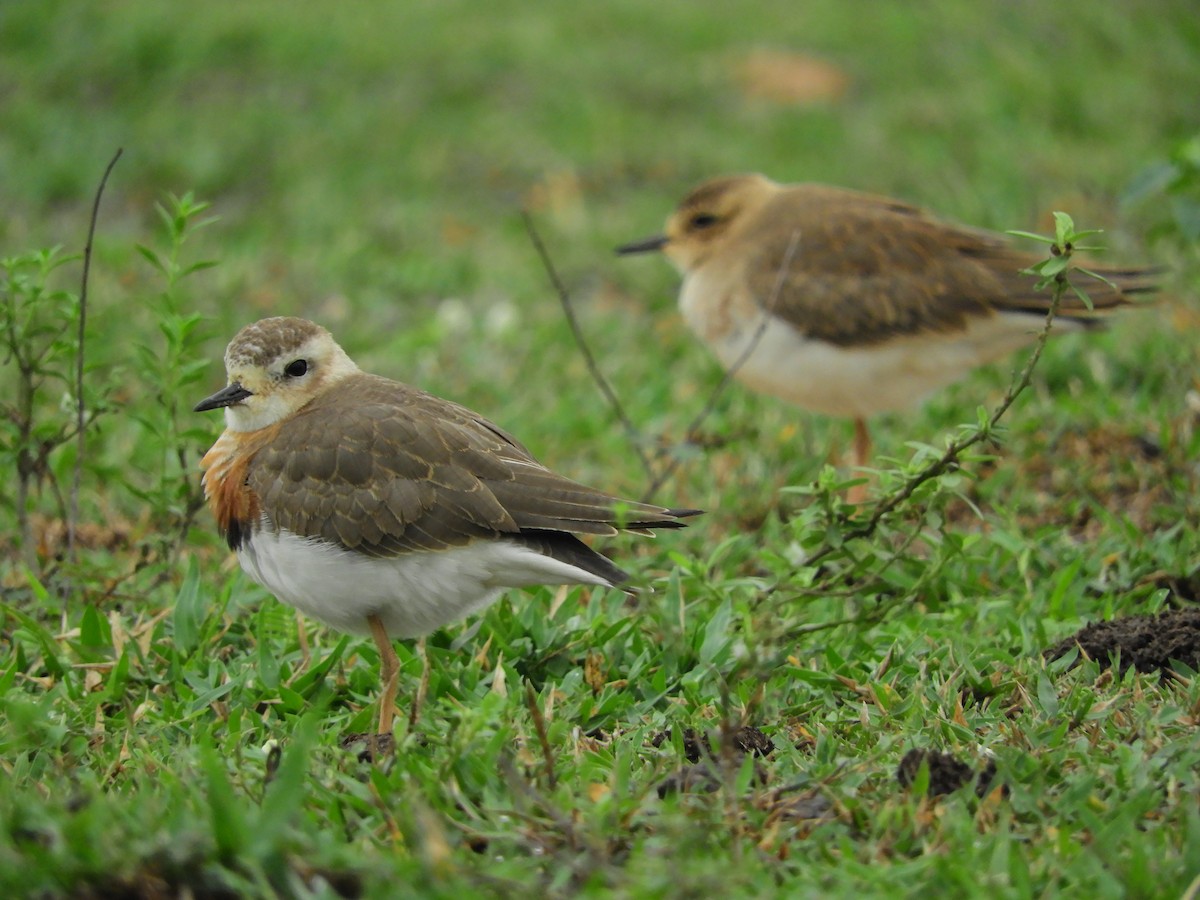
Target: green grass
column 366, row 167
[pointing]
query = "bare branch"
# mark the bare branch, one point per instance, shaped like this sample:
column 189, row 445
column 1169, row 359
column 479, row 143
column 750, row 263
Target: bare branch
column 80, row 413
column 635, row 435
column 539, row 724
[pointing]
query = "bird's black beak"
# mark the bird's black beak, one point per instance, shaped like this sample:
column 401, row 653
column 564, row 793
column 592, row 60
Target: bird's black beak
column 226, row 396
column 645, row 245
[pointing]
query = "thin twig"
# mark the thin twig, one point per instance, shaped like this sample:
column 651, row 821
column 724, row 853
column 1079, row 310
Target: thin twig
column 636, row 437
column 731, row 373
column 539, row 725
column 80, row 415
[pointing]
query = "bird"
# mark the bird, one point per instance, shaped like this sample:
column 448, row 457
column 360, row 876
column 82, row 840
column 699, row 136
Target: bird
column 851, row 304
column 382, row 510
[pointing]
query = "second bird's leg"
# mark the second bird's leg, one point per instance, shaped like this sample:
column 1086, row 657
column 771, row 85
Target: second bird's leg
column 857, row 494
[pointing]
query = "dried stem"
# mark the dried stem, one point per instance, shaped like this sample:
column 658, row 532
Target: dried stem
column 80, row 412
column 635, row 435
column 539, row 724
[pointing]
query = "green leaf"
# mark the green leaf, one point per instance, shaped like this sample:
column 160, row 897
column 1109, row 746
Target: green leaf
column 1082, row 295
column 1093, row 274
column 1053, row 266
column 118, row 679
column 1064, row 229
column 1047, row 696
column 290, row 701
column 304, row 685
column 211, row 695
column 151, row 257
column 94, row 633
column 1041, row 238
column 268, row 664
column 286, row 793
column 920, row 783
column 56, row 665
column 189, row 610
column 199, row 266
column 716, row 634
column 230, row 830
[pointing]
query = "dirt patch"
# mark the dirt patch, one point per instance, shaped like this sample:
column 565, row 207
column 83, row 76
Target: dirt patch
column 947, row 773
column 1074, row 478
column 746, row 739
column 812, row 805
column 708, row 766
column 367, row 746
column 1148, row 643
column 700, row 778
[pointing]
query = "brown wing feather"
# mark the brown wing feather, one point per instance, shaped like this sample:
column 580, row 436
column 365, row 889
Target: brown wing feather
column 869, row 268
column 392, row 469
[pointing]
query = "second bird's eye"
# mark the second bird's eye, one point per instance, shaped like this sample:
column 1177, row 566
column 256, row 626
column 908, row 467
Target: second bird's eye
column 296, row 368
column 703, row 220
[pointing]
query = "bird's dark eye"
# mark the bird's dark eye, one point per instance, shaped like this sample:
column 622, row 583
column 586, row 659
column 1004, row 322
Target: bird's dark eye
column 702, row 220
column 296, row 368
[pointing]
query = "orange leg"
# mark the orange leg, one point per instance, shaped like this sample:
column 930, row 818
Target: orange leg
column 857, row 494
column 390, row 665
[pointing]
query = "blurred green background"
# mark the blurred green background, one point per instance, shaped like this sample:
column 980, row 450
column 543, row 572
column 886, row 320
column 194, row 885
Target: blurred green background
column 367, row 164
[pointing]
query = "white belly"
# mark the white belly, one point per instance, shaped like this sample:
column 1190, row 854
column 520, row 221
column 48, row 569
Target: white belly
column 861, row 381
column 412, row 594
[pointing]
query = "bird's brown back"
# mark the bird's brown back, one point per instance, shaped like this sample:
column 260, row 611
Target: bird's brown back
column 868, row 268
column 382, row 468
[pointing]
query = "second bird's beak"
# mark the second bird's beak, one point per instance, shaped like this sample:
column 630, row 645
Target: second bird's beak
column 645, row 245
column 226, row 396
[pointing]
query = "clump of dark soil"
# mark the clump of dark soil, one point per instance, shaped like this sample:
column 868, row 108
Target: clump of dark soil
column 746, row 739
column 947, row 773
column 1148, row 643
column 703, row 775
column 367, row 746
column 812, row 805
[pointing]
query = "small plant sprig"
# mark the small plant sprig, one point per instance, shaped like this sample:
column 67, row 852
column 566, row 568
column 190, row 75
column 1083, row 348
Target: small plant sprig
column 54, row 403
column 1052, row 272
column 840, row 526
column 168, row 370
column 36, row 408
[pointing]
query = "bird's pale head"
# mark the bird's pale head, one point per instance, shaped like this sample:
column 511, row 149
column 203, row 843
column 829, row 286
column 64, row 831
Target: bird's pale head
column 708, row 219
column 711, row 215
column 275, row 367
